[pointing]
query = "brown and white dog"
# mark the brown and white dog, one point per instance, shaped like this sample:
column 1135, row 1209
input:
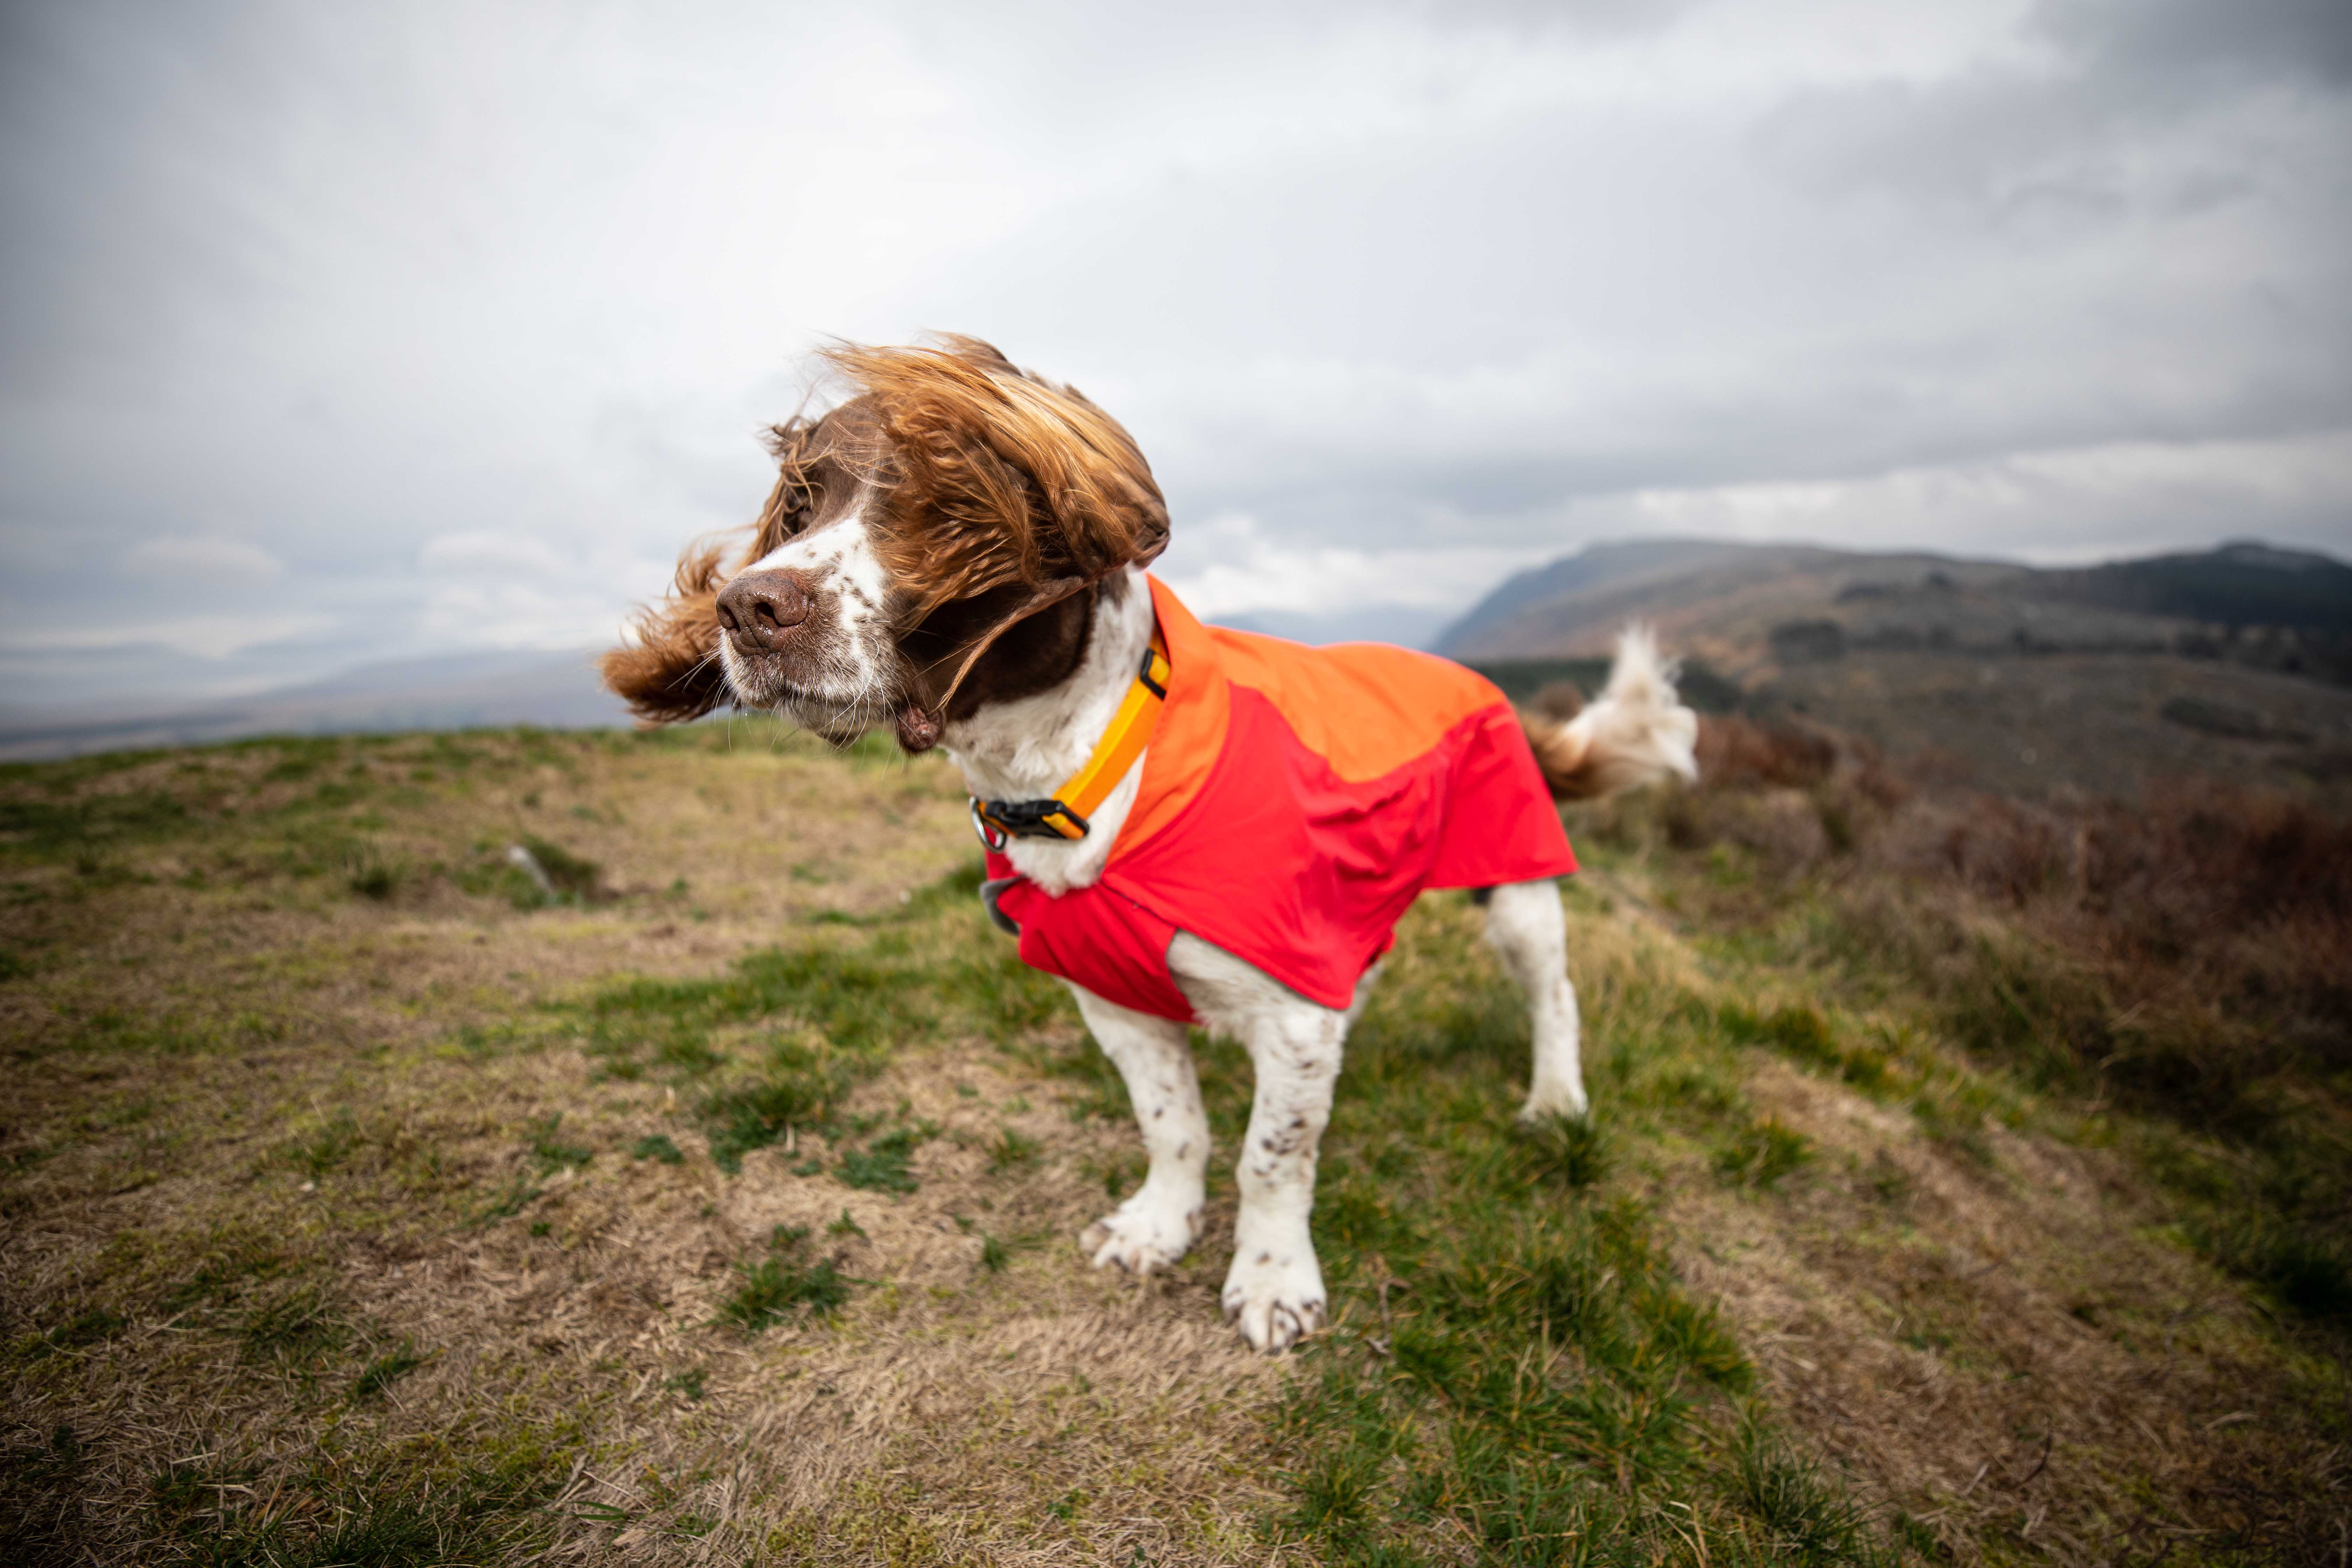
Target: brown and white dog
column 957, row 551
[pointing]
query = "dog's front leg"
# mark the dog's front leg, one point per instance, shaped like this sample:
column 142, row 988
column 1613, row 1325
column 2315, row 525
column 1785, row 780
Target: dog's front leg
column 1273, row 1292
column 1158, row 1223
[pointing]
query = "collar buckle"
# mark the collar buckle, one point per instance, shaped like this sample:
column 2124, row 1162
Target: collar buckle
column 999, row 821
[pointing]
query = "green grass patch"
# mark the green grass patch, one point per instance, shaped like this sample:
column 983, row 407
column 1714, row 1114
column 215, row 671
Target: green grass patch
column 549, row 1153
column 573, row 875
column 385, row 1371
column 1514, row 1373
column 296, row 1330
column 885, row 1163
column 825, row 1018
column 88, row 1327
column 1575, row 1151
column 518, row 1193
column 1762, row 1152
column 1807, row 1035
column 477, row 1498
column 370, row 874
column 657, row 1147
column 784, row 1285
column 327, row 1149
column 778, row 1041
column 1012, row 1149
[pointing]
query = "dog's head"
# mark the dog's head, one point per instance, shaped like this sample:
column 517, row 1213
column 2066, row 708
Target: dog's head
column 932, row 543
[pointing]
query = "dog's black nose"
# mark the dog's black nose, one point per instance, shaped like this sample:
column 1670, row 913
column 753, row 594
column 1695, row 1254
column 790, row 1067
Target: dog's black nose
column 761, row 608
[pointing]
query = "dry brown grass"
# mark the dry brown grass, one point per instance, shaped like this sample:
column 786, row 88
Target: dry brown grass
column 263, row 1124
column 2207, row 927
column 2013, row 1350
column 266, row 1015
column 2183, row 955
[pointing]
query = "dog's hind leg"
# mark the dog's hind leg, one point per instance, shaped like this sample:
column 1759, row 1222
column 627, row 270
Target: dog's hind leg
column 1158, row 1224
column 1524, row 923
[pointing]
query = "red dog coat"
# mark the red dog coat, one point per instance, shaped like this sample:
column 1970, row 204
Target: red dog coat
column 1294, row 802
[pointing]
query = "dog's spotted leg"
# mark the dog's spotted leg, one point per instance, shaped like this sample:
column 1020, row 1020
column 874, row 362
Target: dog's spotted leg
column 1273, row 1292
column 1158, row 1223
column 1524, row 923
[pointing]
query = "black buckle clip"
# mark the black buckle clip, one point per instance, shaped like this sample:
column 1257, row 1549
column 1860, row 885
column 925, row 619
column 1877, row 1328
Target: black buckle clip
column 999, row 821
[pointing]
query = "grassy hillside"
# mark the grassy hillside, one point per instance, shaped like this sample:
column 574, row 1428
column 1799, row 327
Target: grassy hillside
column 1965, row 1186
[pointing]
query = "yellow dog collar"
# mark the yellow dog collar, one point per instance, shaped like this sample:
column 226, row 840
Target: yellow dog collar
column 1065, row 815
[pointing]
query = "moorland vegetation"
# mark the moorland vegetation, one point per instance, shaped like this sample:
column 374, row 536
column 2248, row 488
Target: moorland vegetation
column 1968, row 1184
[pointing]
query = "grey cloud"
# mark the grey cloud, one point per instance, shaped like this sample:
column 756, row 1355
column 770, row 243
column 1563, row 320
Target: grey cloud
column 1603, row 18
column 1591, row 342
column 2200, row 41
column 334, row 285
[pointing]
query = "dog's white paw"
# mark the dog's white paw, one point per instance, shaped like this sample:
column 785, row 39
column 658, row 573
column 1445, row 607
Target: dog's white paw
column 1148, row 1231
column 1274, row 1295
column 1564, row 1100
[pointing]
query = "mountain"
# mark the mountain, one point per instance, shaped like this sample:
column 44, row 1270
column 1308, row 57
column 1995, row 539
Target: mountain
column 449, row 691
column 1740, row 604
column 1727, row 596
column 2234, row 662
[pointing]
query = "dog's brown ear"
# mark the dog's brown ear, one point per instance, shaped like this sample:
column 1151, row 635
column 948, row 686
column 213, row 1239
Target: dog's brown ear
column 671, row 673
column 1002, row 476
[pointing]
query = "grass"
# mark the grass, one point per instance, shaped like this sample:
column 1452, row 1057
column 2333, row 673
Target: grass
column 327, row 1149
column 657, row 1146
column 828, row 1017
column 549, row 1154
column 1761, row 1154
column 298, row 1330
column 1574, row 1150
column 783, row 1284
column 884, row 1165
column 2183, row 958
column 1516, row 1370
column 1863, row 1255
column 385, row 1371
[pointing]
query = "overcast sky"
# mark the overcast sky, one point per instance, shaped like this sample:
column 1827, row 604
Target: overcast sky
column 335, row 333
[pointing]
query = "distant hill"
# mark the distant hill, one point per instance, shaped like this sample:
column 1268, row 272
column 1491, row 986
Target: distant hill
column 2234, row 662
column 555, row 691
column 2238, row 585
column 1745, row 604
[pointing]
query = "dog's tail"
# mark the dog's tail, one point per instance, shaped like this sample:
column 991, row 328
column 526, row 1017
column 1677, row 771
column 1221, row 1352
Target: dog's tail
column 1636, row 733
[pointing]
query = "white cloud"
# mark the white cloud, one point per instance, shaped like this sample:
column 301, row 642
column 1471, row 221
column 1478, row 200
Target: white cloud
column 485, row 553
column 211, row 562
column 2035, row 506
column 517, row 615
column 205, row 637
column 1229, row 566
